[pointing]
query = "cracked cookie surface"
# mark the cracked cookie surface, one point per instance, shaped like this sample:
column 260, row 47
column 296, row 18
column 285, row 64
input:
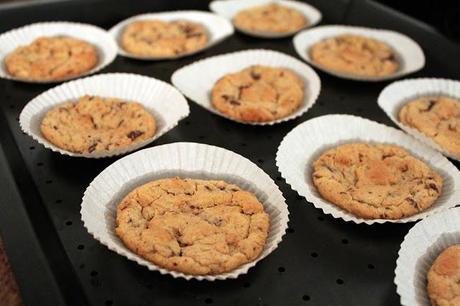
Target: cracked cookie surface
column 52, row 58
column 376, row 181
column 270, row 18
column 444, row 278
column 193, row 226
column 355, row 54
column 437, row 118
column 258, row 94
column 95, row 124
column 164, row 39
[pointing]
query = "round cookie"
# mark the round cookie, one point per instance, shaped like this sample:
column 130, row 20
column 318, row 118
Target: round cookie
column 193, row 226
column 437, row 118
column 258, row 94
column 376, row 181
column 444, row 278
column 355, row 54
column 159, row 38
column 270, row 18
column 95, row 124
column 52, row 59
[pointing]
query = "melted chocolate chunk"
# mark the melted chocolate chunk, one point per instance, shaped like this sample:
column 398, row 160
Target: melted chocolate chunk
column 431, row 105
column 92, row 147
column 134, row 134
column 255, row 76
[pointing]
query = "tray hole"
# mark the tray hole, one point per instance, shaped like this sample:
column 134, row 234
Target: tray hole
column 306, row 297
column 187, row 122
column 201, row 137
column 48, row 181
column 320, row 103
column 260, row 161
column 58, row 201
column 281, row 269
column 40, row 164
column 81, row 247
column 278, row 178
column 12, row 106
column 108, row 303
column 68, row 223
column 320, row 218
column 339, row 281
column 93, row 273
column 298, row 197
column 208, row 301
column 32, row 148
column 243, row 144
column 345, row 241
column 290, row 230
column 370, row 266
column 82, row 266
column 314, row 254
column 247, row 285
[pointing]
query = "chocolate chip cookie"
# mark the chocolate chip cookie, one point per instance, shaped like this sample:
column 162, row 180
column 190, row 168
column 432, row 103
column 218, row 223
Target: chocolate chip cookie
column 444, row 278
column 52, row 59
column 258, row 94
column 157, row 38
column 193, row 226
column 270, row 18
column 355, row 54
column 437, row 118
column 376, row 181
column 95, row 124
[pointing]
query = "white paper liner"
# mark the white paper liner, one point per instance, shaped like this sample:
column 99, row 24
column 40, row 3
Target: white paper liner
column 163, row 101
column 105, row 44
column 408, row 52
column 187, row 160
column 197, row 79
column 421, row 246
column 218, row 29
column 306, row 142
column 229, row 8
column 394, row 96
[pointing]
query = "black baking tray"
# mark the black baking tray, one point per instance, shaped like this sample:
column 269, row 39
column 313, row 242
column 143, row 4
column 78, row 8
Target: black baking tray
column 321, row 260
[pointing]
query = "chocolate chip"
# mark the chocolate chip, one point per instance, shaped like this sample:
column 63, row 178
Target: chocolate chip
column 431, row 105
column 391, row 58
column 121, row 122
column 404, row 168
column 92, row 147
column 255, row 76
column 55, row 127
column 194, row 35
column 234, row 102
column 412, row 202
column 433, row 186
column 207, row 187
column 134, row 134
column 225, row 97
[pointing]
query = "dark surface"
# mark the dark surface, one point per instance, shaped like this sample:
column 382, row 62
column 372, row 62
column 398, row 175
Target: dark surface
column 321, row 260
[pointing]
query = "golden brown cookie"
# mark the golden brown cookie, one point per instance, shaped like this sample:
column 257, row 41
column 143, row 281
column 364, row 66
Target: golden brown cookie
column 270, row 18
column 193, row 226
column 355, row 54
column 258, row 94
column 437, row 118
column 376, row 181
column 444, row 278
column 159, row 38
column 95, row 124
column 51, row 59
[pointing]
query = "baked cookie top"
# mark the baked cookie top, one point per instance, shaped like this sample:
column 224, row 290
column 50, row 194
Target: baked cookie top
column 375, row 181
column 355, row 54
column 436, row 117
column 193, row 226
column 258, row 94
column 444, row 278
column 51, row 59
column 163, row 39
column 270, row 18
column 95, row 124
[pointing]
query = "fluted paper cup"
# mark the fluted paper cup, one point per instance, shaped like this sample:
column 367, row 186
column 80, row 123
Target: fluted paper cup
column 229, row 8
column 163, row 101
column 421, row 246
column 394, row 96
column 218, row 29
column 104, row 43
column 211, row 69
column 408, row 52
column 306, row 142
column 187, row 160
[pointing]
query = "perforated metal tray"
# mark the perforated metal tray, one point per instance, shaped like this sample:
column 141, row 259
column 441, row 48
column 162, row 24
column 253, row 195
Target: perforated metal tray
column 321, row 261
